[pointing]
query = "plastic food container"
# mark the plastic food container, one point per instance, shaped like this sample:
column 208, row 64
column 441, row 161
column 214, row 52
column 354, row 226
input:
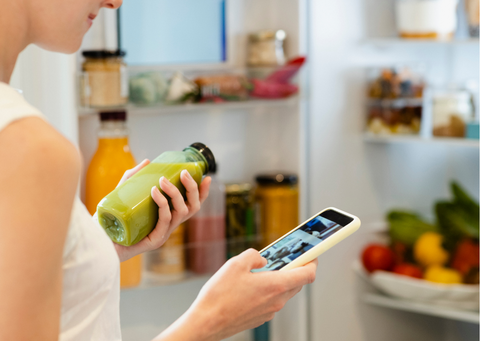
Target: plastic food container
column 395, row 100
column 451, row 111
column 104, row 81
column 426, row 19
column 277, row 199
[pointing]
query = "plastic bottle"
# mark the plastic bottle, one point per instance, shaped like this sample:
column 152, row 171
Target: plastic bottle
column 112, row 158
column 206, row 232
column 129, row 214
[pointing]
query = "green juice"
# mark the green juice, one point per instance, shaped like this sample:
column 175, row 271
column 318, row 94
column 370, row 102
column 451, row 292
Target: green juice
column 129, row 214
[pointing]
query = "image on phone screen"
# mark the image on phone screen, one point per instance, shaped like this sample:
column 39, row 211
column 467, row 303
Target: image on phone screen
column 298, row 242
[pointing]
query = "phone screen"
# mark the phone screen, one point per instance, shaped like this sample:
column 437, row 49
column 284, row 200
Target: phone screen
column 298, row 242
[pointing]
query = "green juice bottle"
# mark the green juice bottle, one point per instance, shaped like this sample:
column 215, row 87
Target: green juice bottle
column 129, row 214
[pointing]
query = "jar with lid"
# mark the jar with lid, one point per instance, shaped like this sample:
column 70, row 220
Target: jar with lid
column 240, row 219
column 265, row 48
column 277, row 199
column 473, row 15
column 104, row 79
column 451, row 111
column 426, row 19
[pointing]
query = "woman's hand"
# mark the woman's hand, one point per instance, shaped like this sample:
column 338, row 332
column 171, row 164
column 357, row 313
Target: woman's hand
column 167, row 220
column 236, row 299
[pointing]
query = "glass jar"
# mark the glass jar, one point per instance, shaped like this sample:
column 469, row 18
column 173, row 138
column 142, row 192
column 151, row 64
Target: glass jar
column 395, row 100
column 206, row 245
column 426, row 19
column 265, row 48
column 240, row 219
column 473, row 16
column 277, row 199
column 451, row 111
column 105, row 79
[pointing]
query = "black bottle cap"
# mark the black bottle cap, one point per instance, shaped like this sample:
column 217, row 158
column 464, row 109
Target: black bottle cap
column 207, row 153
column 113, row 116
column 102, row 54
column 277, row 179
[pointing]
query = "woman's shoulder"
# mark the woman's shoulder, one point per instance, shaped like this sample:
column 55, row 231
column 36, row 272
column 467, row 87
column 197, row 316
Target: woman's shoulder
column 26, row 135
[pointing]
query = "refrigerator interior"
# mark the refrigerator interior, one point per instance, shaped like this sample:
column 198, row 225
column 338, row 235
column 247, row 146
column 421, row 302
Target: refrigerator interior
column 246, row 140
column 367, row 178
column 318, row 135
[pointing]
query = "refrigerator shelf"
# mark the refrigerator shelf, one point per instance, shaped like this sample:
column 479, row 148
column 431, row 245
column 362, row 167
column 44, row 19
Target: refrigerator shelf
column 422, row 308
column 388, row 139
column 396, row 41
column 210, row 107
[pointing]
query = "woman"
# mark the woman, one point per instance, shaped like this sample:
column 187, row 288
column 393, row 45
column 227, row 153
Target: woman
column 60, row 272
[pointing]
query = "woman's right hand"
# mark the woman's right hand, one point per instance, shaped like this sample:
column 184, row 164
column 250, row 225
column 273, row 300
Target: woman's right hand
column 235, row 299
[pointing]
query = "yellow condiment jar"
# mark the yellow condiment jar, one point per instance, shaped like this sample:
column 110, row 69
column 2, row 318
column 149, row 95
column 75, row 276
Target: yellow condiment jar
column 277, row 199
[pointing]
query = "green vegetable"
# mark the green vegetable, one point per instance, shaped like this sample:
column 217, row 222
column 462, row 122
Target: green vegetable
column 406, row 227
column 458, row 218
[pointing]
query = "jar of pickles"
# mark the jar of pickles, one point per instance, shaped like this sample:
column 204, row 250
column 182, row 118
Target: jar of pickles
column 240, row 219
column 277, row 199
column 104, row 82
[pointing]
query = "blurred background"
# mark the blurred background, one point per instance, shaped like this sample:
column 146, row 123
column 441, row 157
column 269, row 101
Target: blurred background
column 370, row 106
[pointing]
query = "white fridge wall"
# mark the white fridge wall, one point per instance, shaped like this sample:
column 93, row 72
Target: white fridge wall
column 368, row 179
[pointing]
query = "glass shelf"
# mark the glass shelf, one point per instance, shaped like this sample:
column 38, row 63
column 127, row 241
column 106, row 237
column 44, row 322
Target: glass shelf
column 386, row 41
column 448, row 141
column 164, row 109
column 422, row 308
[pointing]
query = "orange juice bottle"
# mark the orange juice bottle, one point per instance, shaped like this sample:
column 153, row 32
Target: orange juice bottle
column 112, row 158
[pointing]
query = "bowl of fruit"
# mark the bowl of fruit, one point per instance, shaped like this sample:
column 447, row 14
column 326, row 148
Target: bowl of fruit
column 436, row 263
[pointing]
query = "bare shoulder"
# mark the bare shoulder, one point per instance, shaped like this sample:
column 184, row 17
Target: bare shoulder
column 35, row 146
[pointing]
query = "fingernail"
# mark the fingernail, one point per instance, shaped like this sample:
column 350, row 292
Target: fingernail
column 164, row 180
column 188, row 174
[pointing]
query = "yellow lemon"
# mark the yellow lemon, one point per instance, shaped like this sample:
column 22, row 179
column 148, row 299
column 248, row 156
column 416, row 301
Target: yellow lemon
column 428, row 250
column 439, row 274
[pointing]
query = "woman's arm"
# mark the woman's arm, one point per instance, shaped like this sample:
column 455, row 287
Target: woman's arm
column 39, row 171
column 235, row 299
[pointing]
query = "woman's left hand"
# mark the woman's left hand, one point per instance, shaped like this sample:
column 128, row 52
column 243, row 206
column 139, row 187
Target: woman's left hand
column 167, row 220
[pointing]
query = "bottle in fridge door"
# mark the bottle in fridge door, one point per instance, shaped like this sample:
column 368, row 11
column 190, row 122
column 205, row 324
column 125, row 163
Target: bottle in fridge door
column 112, row 158
column 206, row 232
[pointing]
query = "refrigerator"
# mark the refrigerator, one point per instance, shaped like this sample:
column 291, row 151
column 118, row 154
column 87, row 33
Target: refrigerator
column 318, row 134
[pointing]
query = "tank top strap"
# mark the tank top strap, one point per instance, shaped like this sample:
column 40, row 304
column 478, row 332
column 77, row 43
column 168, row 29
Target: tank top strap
column 13, row 106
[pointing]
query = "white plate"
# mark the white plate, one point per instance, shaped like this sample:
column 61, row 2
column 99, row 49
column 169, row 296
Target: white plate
column 461, row 296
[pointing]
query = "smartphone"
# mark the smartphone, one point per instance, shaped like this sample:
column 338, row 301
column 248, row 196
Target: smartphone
column 309, row 240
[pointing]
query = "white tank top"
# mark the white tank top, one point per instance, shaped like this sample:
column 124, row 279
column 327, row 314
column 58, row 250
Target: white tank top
column 91, row 269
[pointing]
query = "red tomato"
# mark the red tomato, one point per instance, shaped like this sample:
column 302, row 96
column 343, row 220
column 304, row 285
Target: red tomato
column 409, row 270
column 378, row 257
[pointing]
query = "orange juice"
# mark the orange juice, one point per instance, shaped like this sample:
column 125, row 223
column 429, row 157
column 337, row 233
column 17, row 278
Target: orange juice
column 112, row 158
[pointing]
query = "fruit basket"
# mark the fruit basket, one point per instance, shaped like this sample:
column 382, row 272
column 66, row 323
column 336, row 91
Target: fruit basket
column 431, row 262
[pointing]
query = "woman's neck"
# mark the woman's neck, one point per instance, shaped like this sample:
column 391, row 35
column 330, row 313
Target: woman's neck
column 13, row 35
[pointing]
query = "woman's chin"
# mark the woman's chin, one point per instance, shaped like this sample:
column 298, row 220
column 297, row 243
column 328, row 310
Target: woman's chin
column 65, row 46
